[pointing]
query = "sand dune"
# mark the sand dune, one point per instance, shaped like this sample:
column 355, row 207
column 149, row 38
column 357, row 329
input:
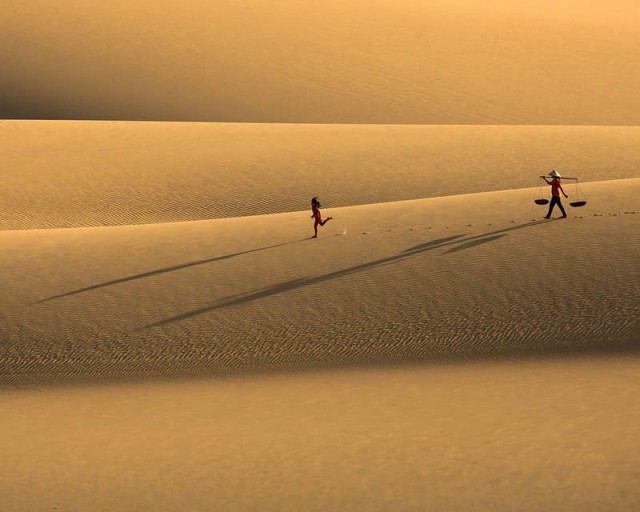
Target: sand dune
column 473, row 357
column 458, row 277
column 516, row 436
column 457, row 338
column 356, row 61
column 66, row 174
column 172, row 339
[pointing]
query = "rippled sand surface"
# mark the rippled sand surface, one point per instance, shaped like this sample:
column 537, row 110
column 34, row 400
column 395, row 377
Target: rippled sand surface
column 72, row 174
column 437, row 278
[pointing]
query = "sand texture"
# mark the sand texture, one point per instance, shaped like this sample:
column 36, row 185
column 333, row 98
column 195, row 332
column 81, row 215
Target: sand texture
column 103, row 173
column 434, row 353
column 451, row 277
column 335, row 61
column 172, row 337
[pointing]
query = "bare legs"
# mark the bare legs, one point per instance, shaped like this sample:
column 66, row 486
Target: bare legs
column 322, row 223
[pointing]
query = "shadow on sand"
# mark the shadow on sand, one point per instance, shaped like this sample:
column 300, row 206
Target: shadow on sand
column 162, row 271
column 164, row 359
column 461, row 243
column 479, row 239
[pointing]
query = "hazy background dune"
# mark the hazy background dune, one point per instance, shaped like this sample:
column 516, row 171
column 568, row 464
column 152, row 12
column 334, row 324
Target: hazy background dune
column 65, row 174
column 410, row 61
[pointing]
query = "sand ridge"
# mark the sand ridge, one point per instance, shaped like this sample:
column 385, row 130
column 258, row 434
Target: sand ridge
column 69, row 174
column 256, row 293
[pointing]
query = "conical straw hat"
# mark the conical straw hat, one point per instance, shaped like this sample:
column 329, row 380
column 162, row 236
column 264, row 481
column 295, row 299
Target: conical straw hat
column 554, row 174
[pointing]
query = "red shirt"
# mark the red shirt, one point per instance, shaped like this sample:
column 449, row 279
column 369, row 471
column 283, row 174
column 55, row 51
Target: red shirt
column 556, row 188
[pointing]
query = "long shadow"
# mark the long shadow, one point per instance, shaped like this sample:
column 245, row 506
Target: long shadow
column 483, row 237
column 155, row 361
column 235, row 300
column 440, row 243
column 238, row 299
column 474, row 243
column 163, row 271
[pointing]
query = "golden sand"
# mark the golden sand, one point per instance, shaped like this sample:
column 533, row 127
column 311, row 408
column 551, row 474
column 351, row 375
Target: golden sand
column 172, row 339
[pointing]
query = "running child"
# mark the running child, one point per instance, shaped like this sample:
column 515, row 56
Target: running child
column 317, row 216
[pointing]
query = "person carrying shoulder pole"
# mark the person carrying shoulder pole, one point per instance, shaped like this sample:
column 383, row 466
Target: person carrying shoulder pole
column 556, row 188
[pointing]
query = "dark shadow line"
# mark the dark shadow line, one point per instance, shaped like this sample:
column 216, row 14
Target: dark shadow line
column 452, row 240
column 235, row 300
column 238, row 299
column 441, row 242
column 473, row 243
column 284, row 287
column 434, row 244
column 162, row 271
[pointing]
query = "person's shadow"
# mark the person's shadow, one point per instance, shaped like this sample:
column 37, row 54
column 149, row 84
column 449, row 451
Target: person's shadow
column 459, row 242
column 163, row 271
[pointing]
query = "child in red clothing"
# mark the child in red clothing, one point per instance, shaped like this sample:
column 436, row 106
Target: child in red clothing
column 317, row 216
column 556, row 188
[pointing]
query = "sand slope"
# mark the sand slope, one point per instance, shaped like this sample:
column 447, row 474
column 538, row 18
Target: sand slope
column 356, row 61
column 171, row 338
column 456, row 277
column 558, row 435
column 66, row 174
column 533, row 326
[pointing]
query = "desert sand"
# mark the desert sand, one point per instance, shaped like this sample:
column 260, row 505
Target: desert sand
column 172, row 338
column 355, row 61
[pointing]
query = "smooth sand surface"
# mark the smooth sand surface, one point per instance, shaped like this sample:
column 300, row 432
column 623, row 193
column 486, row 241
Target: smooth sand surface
column 334, row 61
column 534, row 436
